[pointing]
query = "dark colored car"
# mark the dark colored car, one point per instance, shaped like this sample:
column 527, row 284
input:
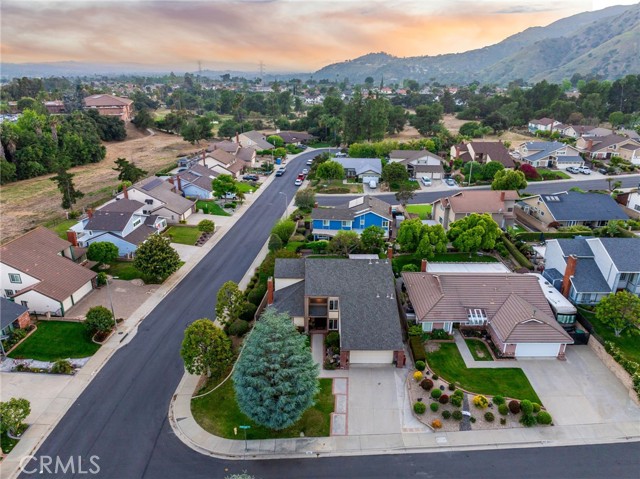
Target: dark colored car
column 604, row 171
column 250, row 177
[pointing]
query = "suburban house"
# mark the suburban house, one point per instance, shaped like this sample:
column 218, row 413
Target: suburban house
column 226, row 145
column 499, row 204
column 604, row 147
column 365, row 169
column 512, row 307
column 419, row 163
column 109, row 105
column 125, row 223
column 630, row 199
column 54, row 107
column 482, row 152
column 253, row 139
column 583, row 131
column 355, row 297
column 569, row 208
column 225, row 163
column 543, row 124
column 549, row 154
column 161, row 198
column 294, row 137
column 196, row 182
column 358, row 214
column 587, row 269
column 247, row 155
column 39, row 271
column 12, row 316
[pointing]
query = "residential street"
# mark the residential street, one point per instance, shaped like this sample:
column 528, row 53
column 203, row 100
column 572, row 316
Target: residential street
column 121, row 417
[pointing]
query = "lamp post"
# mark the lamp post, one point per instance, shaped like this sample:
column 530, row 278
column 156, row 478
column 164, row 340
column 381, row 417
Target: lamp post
column 111, row 302
column 286, row 201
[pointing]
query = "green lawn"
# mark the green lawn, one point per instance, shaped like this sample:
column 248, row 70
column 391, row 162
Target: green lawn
column 399, row 261
column 479, row 350
column 629, row 344
column 294, row 245
column 511, row 382
column 218, row 413
column 423, row 210
column 7, row 443
column 320, row 144
column 552, row 174
column 56, row 340
column 61, row 228
column 123, row 270
column 183, row 234
column 211, row 208
column 246, row 187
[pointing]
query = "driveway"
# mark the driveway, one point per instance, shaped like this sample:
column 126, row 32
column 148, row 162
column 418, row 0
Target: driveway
column 127, row 296
column 373, row 401
column 580, row 390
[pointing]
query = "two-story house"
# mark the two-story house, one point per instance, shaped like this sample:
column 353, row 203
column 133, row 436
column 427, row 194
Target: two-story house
column 587, row 269
column 419, row 163
column 499, row 204
column 482, row 152
column 109, row 105
column 542, row 124
column 358, row 214
column 549, row 154
column 161, row 198
column 196, row 182
column 253, row 139
column 604, row 147
column 355, row 297
column 584, row 131
column 39, row 271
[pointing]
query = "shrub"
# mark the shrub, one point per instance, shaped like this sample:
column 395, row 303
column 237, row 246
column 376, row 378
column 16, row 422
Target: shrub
column 436, row 424
column 417, row 376
column 229, row 205
column 284, row 229
column 519, row 257
column 435, row 377
column 514, row 407
column 446, row 414
column 472, row 419
column 503, row 421
column 444, row 399
column 528, row 420
column 439, row 334
column 457, row 415
column 536, row 407
column 248, row 311
column 420, row 365
column 456, row 401
column 239, row 328
column 452, row 387
column 489, row 417
column 419, row 408
column 415, row 330
column 526, row 407
column 256, row 294
column 436, row 393
column 206, row 226
column 410, row 268
column 101, row 278
column 458, row 393
column 434, row 406
column 426, row 384
column 503, row 409
column 417, row 348
column 544, row 418
column 62, row 367
column 498, row 400
column 332, row 340
column 480, row 401
column 99, row 320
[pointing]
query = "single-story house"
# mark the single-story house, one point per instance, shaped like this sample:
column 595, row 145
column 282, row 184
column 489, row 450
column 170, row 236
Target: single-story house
column 355, row 297
column 583, row 131
column 12, row 316
column 253, row 139
column 512, row 307
column 604, row 147
column 294, row 137
column 482, row 152
column 419, row 163
column 549, row 154
column 358, row 214
column 365, row 169
column 499, row 204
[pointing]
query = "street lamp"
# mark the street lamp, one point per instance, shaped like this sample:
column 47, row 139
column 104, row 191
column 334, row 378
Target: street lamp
column 286, row 200
column 111, row 302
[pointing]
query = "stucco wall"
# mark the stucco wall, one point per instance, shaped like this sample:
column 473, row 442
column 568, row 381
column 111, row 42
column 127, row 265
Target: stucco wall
column 614, row 367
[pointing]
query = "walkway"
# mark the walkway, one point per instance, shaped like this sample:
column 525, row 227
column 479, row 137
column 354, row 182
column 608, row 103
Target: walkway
column 472, row 363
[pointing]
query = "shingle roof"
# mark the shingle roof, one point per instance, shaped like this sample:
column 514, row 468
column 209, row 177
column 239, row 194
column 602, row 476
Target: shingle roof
column 602, row 142
column 288, row 268
column 361, row 165
column 226, row 145
column 576, row 206
column 588, row 277
column 246, row 154
column 36, row 253
column 223, row 157
column 537, row 150
column 113, row 216
column 543, row 121
column 575, row 246
column 624, row 252
column 410, row 155
column 290, row 299
column 494, row 150
column 294, row 136
column 9, row 312
column 163, row 192
column 259, row 139
column 354, row 208
column 140, row 234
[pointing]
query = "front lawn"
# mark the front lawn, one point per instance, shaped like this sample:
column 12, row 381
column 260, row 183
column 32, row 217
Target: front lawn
column 628, row 343
column 424, row 211
column 409, row 185
column 56, row 340
column 479, row 350
column 552, row 174
column 61, row 228
column 211, row 208
column 511, row 382
column 336, row 187
column 399, row 261
column 123, row 270
column 218, row 413
column 183, row 234
column 246, row 187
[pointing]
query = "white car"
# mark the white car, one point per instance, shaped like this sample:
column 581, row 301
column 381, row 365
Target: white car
column 298, row 182
column 305, row 171
column 426, row 181
column 373, row 184
column 584, row 170
column 450, row 182
column 310, row 161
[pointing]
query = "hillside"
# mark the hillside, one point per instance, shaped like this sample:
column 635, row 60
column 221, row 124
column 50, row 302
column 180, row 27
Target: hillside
column 538, row 52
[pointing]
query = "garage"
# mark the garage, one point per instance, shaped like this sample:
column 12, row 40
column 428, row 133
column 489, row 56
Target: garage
column 369, row 178
column 371, row 357
column 537, row 350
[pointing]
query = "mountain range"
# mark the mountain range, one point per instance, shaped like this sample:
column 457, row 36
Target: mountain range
column 604, row 42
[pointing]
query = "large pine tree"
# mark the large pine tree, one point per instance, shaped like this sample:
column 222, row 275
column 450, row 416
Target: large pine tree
column 275, row 377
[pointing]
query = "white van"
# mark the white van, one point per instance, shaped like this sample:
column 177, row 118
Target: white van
column 341, row 155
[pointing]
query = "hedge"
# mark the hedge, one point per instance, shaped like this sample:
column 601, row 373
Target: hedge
column 417, row 348
column 529, row 236
column 519, row 257
column 629, row 366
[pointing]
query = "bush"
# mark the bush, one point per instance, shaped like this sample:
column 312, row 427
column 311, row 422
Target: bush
column 436, row 393
column 318, row 247
column 514, row 407
column 458, row 393
column 452, row 387
column 503, row 421
column 206, row 226
column 457, row 415
column 472, row 419
column 544, row 418
column 435, row 377
column 519, row 257
column 284, row 229
column 332, row 340
column 439, row 334
column 410, row 268
column 420, row 365
column 528, row 420
column 436, row 424
column 419, row 408
column 503, row 409
column 426, row 384
column 417, row 348
column 256, row 294
column 415, row 331
column 480, row 401
column 239, row 328
column 101, row 278
column 498, row 400
column 489, row 417
column 248, row 311
column 444, row 399
column 434, row 406
column 446, row 414
column 99, row 320
column 62, row 367
column 526, row 407
column 456, row 401
column 536, row 407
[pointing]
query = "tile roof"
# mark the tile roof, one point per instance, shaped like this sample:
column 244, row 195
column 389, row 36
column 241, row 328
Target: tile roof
column 479, row 201
column 576, row 206
column 9, row 312
column 36, row 253
column 361, row 165
column 106, row 100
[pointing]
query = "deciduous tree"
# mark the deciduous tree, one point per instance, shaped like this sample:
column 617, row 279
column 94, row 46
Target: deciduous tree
column 474, row 232
column 305, row 199
column 99, row 320
column 509, row 180
column 229, row 303
column 394, row 173
column 409, row 235
column 206, row 349
column 223, row 185
column 372, row 239
column 157, row 258
column 344, row 242
column 12, row 414
column 102, row 252
column 284, row 229
column 433, row 240
column 330, row 170
column 619, row 311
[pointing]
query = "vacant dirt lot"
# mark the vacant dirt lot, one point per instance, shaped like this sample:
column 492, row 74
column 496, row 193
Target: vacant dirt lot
column 29, row 203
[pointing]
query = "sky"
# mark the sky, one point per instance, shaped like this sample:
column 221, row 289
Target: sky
column 286, row 35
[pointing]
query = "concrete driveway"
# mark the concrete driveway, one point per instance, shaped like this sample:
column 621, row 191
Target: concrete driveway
column 580, row 390
column 127, row 296
column 373, row 401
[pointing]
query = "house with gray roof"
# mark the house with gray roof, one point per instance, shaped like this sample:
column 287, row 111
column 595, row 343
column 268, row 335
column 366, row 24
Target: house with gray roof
column 569, row 208
column 253, row 139
column 419, row 163
column 12, row 316
column 549, row 154
column 355, row 297
column 604, row 147
column 587, row 269
column 196, row 182
column 482, row 152
column 161, row 198
column 356, row 215
column 365, row 169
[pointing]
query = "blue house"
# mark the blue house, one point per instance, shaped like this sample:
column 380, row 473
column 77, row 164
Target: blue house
column 196, row 182
column 358, row 214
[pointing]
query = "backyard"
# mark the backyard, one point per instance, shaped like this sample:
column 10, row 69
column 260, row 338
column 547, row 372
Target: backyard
column 399, row 261
column 628, row 343
column 510, row 382
column 218, row 413
column 56, row 340
column 478, row 350
column 424, row 211
column 183, row 234
column 61, row 227
column 211, row 207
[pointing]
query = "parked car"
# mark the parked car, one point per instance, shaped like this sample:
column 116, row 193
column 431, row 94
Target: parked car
column 310, row 161
column 450, row 182
column 604, row 171
column 426, row 181
column 250, row 177
column 573, row 169
column 584, row 170
column 373, row 184
column 302, row 147
column 280, row 171
column 341, row 155
column 229, row 196
column 299, row 180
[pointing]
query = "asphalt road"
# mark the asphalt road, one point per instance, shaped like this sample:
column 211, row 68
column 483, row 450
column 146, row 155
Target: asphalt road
column 121, row 417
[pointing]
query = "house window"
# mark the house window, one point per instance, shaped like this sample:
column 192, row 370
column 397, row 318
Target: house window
column 24, row 303
column 137, row 222
column 8, row 292
column 385, row 224
column 362, row 222
column 509, row 210
column 333, row 305
column 325, row 223
column 333, row 324
column 15, row 278
column 346, row 224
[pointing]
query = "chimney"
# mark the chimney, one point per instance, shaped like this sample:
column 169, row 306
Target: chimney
column 72, row 237
column 390, row 252
column 569, row 271
column 457, row 151
column 125, row 192
column 502, row 195
column 237, row 138
column 390, row 210
column 423, row 266
column 315, row 205
column 589, row 145
column 171, row 180
column 204, row 163
column 179, row 183
column 90, row 212
column 270, row 290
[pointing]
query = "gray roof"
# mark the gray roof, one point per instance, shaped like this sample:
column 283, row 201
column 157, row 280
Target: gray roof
column 289, row 268
column 588, row 278
column 165, row 194
column 140, row 234
column 361, row 165
column 9, row 312
column 259, row 139
column 114, row 216
column 624, row 252
column 537, row 150
column 576, row 206
column 552, row 274
column 355, row 207
column 290, row 299
column 575, row 246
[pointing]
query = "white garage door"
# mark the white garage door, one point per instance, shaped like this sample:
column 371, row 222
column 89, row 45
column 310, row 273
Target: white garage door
column 371, row 357
column 367, row 179
column 529, row 350
column 436, row 176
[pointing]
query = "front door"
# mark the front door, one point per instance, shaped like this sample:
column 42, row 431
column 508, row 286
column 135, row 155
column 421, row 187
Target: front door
column 317, row 324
